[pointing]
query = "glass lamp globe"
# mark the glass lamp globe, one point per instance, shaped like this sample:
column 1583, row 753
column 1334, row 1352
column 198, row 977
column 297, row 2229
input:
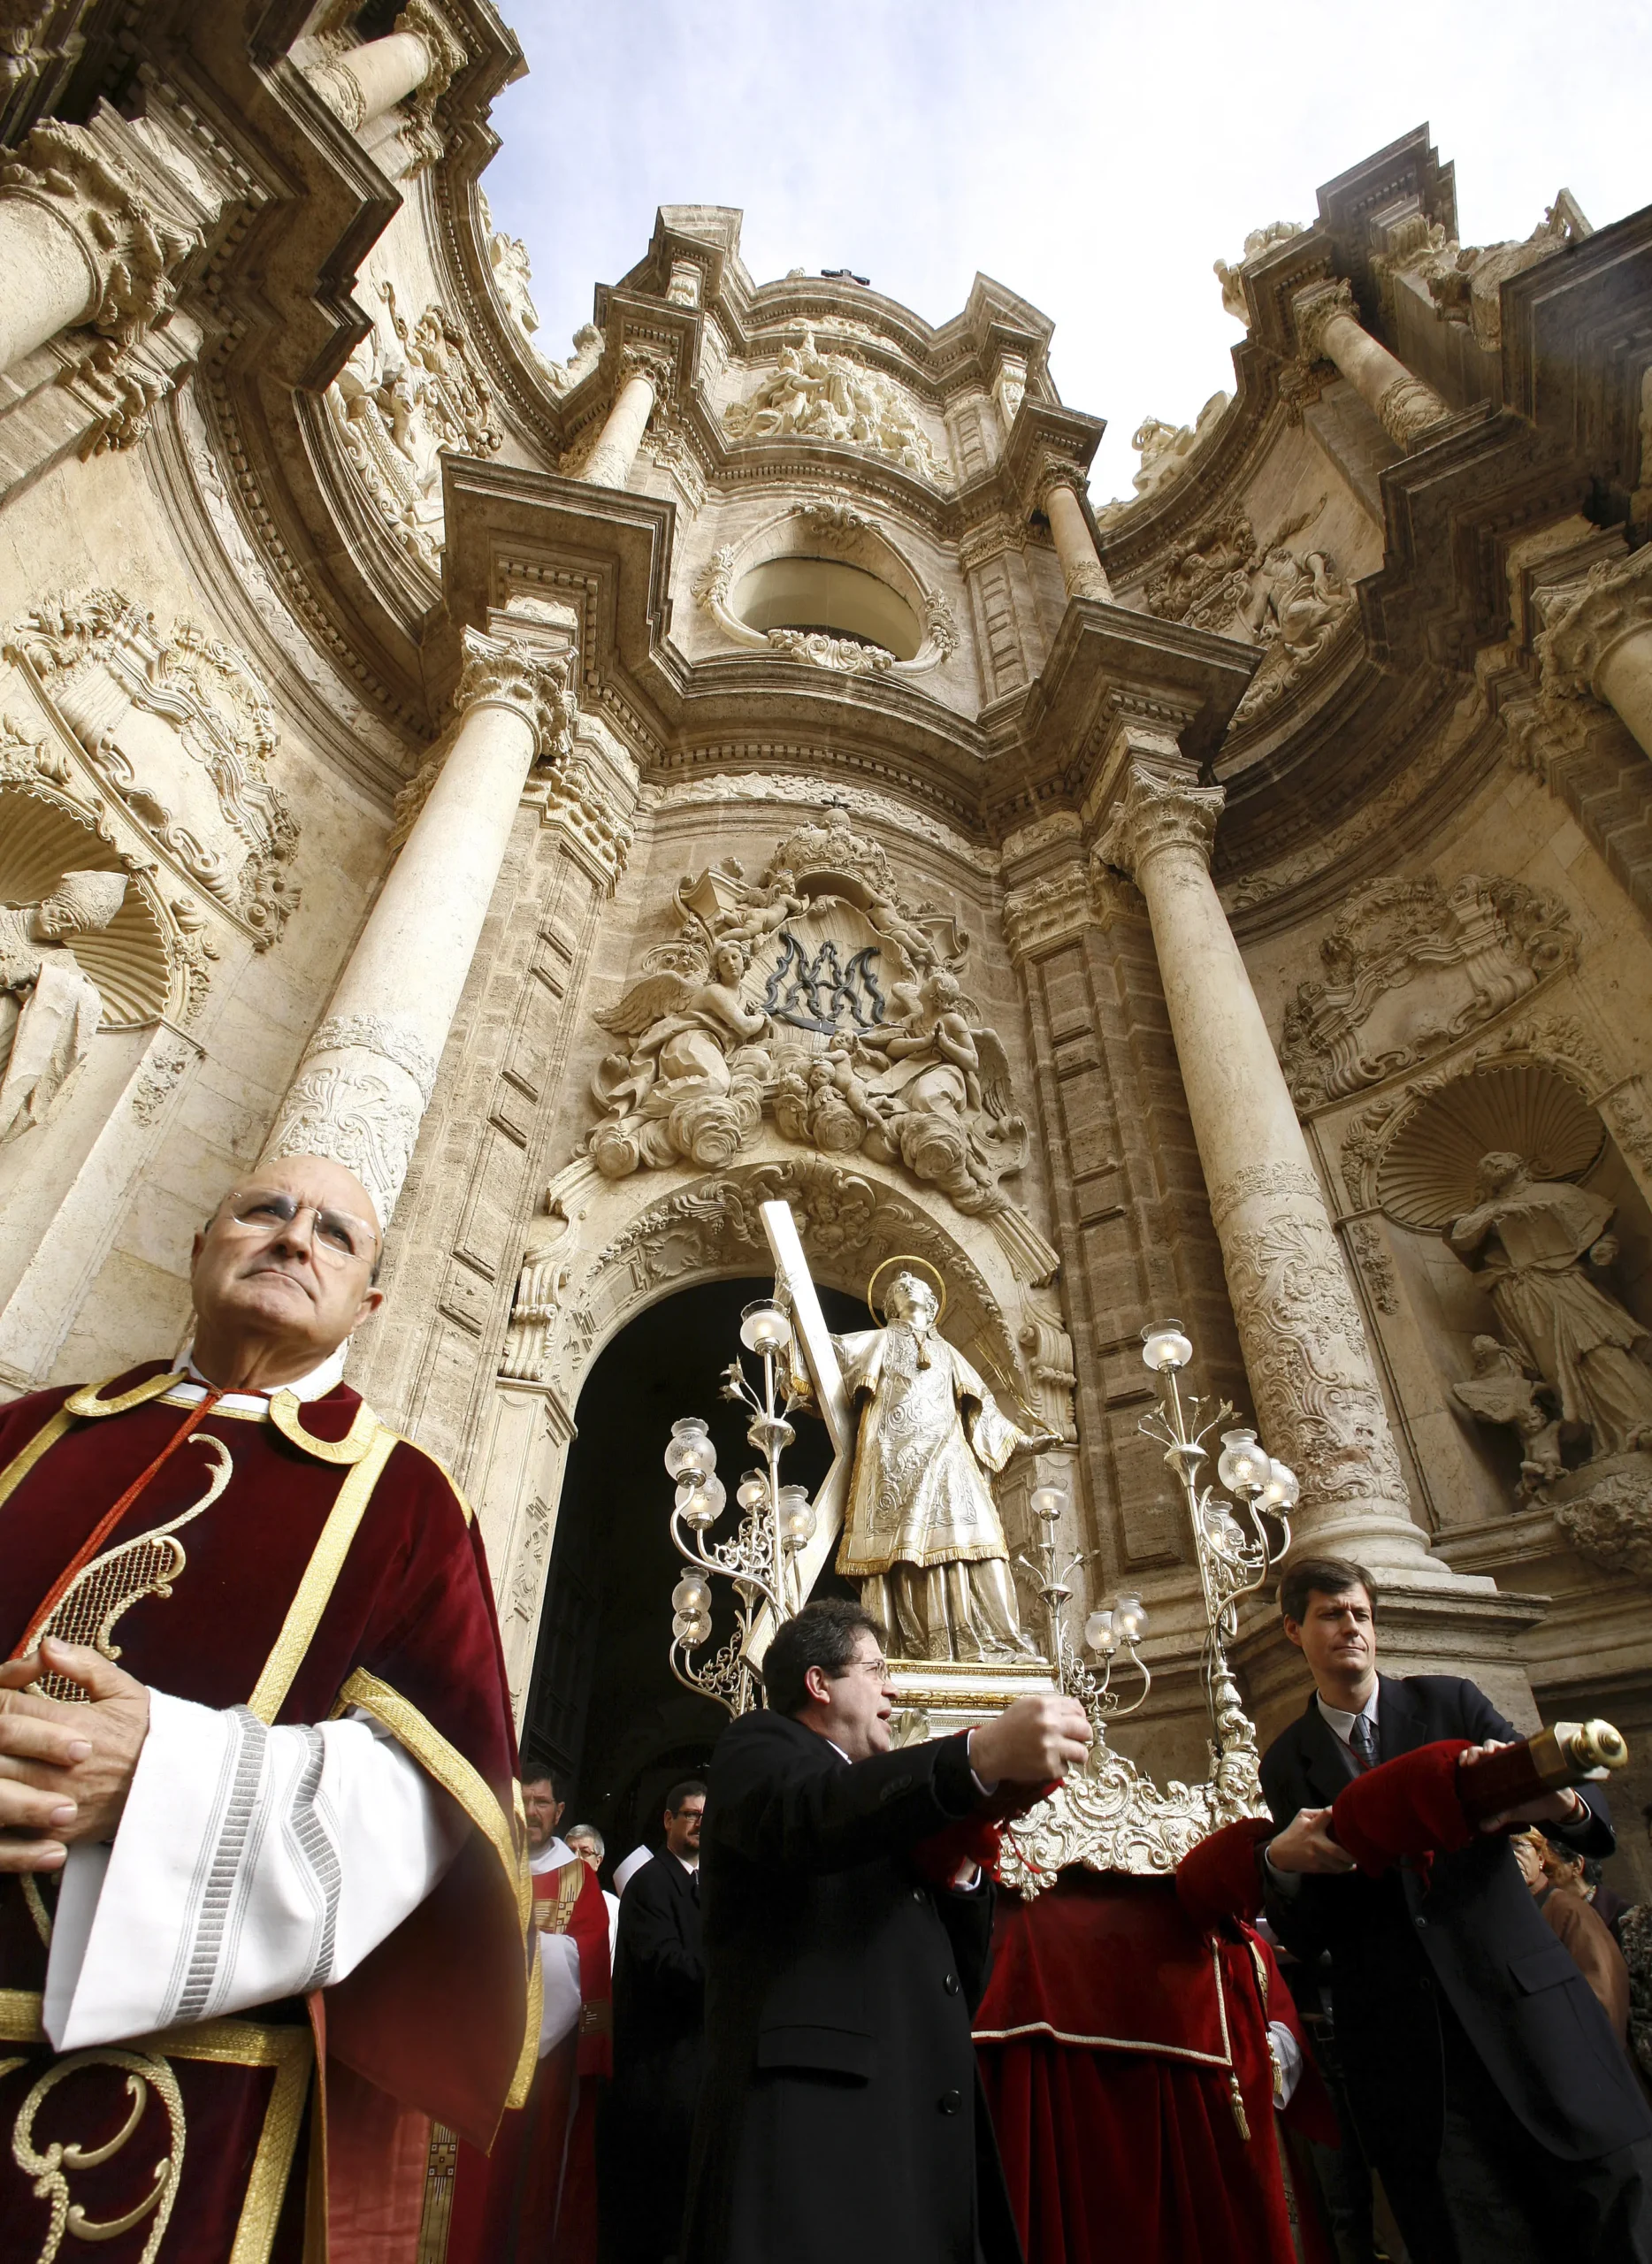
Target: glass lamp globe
column 690, row 1595
column 1131, row 1617
column 1048, row 1502
column 1164, row 1347
column 691, row 1453
column 1282, row 1490
column 1101, row 1634
column 796, row 1516
column 752, row 1491
column 691, row 1629
column 764, row 1327
column 700, row 1501
column 1242, row 1464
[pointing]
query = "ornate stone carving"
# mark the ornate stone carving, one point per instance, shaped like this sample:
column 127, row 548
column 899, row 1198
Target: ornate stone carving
column 1412, row 967
column 1157, row 813
column 1258, row 243
column 819, row 396
column 1506, row 1389
column 49, row 1006
column 408, row 392
column 1610, row 1520
column 1375, row 1266
column 1047, row 1353
column 513, row 276
column 847, row 655
column 819, row 997
column 159, row 1075
column 1055, row 909
column 421, row 135
column 527, row 1572
column 1305, row 1356
column 541, row 1286
column 1164, row 453
column 1279, row 1179
column 794, row 786
column 503, row 672
column 351, row 1112
column 1614, row 601
column 391, row 1041
column 1465, row 280
column 135, row 253
column 1408, row 407
column 180, row 731
column 1291, row 602
column 582, row 802
column 1315, row 309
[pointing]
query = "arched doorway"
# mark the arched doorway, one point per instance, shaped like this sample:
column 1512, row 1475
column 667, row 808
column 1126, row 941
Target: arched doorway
column 603, row 1705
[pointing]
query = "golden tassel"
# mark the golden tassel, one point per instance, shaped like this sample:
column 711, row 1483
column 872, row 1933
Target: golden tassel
column 1236, row 2102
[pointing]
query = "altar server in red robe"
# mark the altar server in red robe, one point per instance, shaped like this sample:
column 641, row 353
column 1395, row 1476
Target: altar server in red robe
column 534, row 2200
column 1136, row 2040
column 264, row 1909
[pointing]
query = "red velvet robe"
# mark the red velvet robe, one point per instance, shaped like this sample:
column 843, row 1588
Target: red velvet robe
column 432, row 2024
column 534, row 2201
column 1112, row 2038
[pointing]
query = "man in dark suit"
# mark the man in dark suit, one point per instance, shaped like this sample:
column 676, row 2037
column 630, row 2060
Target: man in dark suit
column 842, row 2115
column 659, row 2043
column 1488, row 2090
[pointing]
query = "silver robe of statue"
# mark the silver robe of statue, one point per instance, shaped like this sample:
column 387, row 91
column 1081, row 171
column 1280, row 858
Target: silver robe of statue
column 1529, row 1240
column 921, row 1532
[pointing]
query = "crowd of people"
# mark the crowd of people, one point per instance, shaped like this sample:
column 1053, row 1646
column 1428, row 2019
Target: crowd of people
column 261, row 1883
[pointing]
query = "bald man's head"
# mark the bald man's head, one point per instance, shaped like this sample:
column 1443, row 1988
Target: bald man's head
column 283, row 1271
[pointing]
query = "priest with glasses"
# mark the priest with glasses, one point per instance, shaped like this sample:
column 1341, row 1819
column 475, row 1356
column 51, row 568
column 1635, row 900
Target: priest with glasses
column 263, row 1876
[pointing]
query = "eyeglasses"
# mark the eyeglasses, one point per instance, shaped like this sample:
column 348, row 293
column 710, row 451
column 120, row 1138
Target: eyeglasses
column 338, row 1234
column 878, row 1669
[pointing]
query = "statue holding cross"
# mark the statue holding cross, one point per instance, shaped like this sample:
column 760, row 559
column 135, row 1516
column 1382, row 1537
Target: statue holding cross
column 921, row 1433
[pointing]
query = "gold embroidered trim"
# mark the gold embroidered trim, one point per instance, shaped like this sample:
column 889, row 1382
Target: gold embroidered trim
column 21, row 1463
column 89, row 1401
column 355, row 1446
column 232, row 2043
column 528, row 2060
column 192, row 1399
column 558, row 1906
column 446, row 1765
column 320, row 1577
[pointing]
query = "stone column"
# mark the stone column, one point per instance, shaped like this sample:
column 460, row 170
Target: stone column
column 1328, row 328
column 365, row 81
column 1319, row 1405
column 1598, row 643
column 78, row 243
column 643, row 376
column 1081, row 569
column 369, row 1070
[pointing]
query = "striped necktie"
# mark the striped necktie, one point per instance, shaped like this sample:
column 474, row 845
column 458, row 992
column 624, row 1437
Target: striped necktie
column 1362, row 1737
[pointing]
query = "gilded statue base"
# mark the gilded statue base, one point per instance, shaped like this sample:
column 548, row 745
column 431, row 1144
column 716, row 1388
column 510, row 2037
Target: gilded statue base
column 939, row 1697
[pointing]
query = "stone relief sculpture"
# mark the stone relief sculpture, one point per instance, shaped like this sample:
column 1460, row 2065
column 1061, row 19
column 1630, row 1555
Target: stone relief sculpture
column 1534, row 1245
column 513, row 276
column 176, row 726
column 922, row 1536
column 1256, row 245
column 1504, row 1389
column 1412, row 966
column 1291, row 602
column 1465, row 280
column 49, row 1006
column 401, row 399
column 818, row 396
column 820, row 998
column 1164, row 451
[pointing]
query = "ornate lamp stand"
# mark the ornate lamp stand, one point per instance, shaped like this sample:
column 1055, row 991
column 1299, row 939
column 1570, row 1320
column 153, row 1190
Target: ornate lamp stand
column 760, row 1562
column 1112, row 1633
column 1234, row 1557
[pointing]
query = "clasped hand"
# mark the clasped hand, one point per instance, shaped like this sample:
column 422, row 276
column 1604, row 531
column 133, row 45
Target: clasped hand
column 64, row 1769
column 1031, row 1742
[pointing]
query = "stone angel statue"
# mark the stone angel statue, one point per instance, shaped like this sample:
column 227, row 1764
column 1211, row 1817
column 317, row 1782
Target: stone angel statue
column 692, row 1082
column 943, row 1089
column 49, row 1006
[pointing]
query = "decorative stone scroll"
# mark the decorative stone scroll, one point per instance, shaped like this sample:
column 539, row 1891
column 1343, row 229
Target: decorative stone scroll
column 409, row 391
column 178, row 728
column 1294, row 603
column 817, row 396
column 1412, row 966
column 816, row 996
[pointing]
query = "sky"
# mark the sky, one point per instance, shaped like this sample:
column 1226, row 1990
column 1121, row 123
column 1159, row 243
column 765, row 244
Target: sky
column 1094, row 157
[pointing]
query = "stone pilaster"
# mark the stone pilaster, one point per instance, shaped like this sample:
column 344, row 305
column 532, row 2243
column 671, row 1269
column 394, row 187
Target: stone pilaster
column 1328, row 327
column 367, row 1074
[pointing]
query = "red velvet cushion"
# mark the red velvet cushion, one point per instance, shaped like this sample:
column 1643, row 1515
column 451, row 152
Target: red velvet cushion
column 1219, row 1879
column 1408, row 1807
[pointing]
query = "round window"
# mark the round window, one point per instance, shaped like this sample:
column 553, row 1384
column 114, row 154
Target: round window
column 824, row 594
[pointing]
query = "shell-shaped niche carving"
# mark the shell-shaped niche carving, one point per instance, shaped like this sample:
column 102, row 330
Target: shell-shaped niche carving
column 823, row 584
column 1426, row 1177
column 127, row 959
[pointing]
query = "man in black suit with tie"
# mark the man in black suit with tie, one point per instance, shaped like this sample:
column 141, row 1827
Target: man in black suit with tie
column 659, row 2043
column 842, row 2115
column 1488, row 2088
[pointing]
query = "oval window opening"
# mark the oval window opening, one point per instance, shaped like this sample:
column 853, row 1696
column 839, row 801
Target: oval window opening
column 824, row 594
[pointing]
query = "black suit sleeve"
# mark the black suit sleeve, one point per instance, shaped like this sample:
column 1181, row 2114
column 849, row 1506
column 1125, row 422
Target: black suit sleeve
column 777, row 1802
column 1594, row 1834
column 652, row 1943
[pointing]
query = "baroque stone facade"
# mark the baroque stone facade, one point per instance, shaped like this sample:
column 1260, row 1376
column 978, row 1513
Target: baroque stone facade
column 737, row 761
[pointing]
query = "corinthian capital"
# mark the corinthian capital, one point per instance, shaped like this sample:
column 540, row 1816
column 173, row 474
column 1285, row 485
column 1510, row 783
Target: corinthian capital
column 1160, row 813
column 133, row 251
column 1613, row 602
column 500, row 672
column 1316, row 308
column 1052, row 474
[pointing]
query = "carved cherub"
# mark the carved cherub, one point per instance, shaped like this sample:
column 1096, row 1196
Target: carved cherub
column 683, row 1031
column 1502, row 1390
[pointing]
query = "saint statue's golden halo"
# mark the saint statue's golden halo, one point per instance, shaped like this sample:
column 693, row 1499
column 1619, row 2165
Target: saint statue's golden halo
column 906, row 1258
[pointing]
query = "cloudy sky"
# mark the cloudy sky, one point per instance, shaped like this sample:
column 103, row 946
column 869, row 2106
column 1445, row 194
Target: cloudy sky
column 1095, row 158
